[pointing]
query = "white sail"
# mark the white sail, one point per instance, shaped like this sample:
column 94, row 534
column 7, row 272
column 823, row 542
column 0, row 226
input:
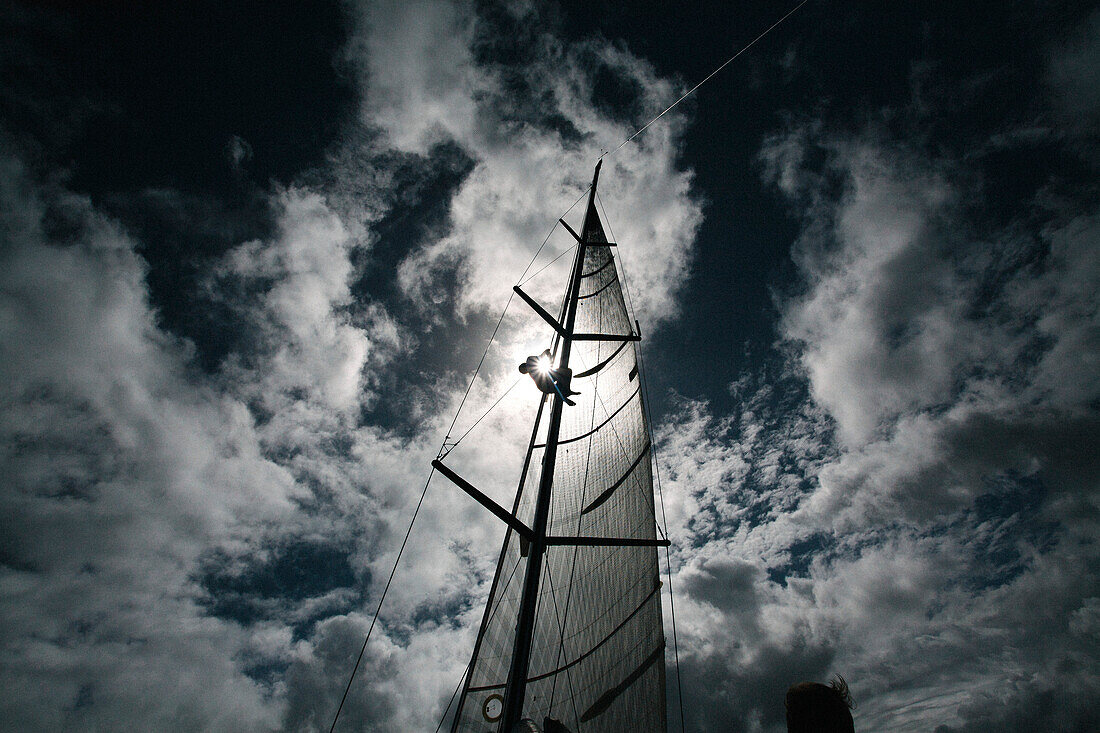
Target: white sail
column 597, row 643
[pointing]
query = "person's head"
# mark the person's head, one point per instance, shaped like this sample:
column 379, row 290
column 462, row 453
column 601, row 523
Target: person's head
column 816, row 708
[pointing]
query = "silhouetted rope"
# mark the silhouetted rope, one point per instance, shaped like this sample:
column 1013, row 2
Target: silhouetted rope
column 378, row 610
column 704, row 81
column 484, row 414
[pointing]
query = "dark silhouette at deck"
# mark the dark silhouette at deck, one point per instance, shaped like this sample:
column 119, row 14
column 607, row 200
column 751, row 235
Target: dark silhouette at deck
column 816, row 708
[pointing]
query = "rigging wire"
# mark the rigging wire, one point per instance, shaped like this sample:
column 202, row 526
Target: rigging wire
column 454, row 444
column 657, row 465
column 443, row 450
column 537, row 272
column 561, row 629
column 454, row 694
column 708, row 78
column 385, row 590
column 548, row 234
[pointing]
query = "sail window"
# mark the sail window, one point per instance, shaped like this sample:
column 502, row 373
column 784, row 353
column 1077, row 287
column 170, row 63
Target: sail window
column 493, row 707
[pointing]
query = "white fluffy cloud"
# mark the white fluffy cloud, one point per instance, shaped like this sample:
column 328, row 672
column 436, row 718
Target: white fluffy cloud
column 121, row 469
column 533, row 144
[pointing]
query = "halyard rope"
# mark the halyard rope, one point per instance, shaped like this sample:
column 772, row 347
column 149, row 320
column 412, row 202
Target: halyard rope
column 704, row 81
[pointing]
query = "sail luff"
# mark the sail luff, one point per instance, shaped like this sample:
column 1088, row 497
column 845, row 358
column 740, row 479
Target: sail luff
column 521, row 651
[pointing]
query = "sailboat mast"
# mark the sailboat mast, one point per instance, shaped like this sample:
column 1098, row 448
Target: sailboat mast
column 521, row 650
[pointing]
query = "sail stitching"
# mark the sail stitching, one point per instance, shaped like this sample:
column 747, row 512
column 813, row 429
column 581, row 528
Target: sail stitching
column 594, row 293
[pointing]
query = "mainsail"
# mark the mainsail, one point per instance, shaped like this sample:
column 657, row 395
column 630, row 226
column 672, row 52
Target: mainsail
column 589, row 621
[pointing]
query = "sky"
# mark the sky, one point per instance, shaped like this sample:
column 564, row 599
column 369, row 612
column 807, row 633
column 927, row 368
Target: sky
column 250, row 255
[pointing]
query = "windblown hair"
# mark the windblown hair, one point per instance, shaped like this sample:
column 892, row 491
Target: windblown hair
column 816, row 708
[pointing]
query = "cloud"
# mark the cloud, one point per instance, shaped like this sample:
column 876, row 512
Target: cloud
column 302, row 279
column 937, row 350
column 905, row 494
column 920, row 523
column 532, row 133
column 121, row 469
column 238, row 152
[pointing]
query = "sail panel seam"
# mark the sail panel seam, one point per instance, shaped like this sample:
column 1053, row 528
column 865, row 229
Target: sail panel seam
column 599, row 500
column 598, row 427
column 599, row 269
column 581, row 658
column 594, row 293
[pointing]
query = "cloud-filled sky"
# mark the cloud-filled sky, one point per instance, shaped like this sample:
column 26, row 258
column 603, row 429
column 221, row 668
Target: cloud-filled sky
column 250, row 255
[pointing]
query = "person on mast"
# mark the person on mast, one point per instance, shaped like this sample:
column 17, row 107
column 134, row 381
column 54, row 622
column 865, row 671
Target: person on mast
column 548, row 379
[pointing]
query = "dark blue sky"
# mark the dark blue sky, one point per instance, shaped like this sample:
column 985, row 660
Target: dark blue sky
column 251, row 254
